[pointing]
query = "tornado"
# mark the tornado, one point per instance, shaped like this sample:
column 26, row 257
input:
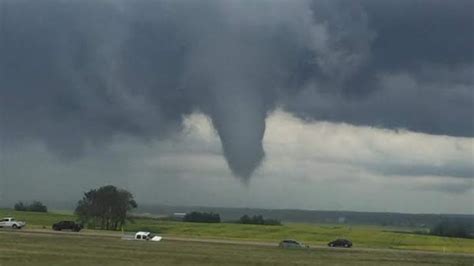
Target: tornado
column 76, row 74
column 239, row 120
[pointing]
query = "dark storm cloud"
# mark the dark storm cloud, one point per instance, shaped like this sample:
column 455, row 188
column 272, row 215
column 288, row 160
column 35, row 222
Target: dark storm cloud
column 412, row 32
column 419, row 75
column 447, row 187
column 77, row 73
column 462, row 171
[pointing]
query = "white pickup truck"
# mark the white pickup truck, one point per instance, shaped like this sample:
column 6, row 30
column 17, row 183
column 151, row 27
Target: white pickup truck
column 11, row 223
column 142, row 236
column 146, row 236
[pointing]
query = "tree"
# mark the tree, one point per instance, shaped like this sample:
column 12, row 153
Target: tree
column 257, row 219
column 35, row 206
column 452, row 228
column 245, row 219
column 20, row 206
column 202, row 217
column 105, row 207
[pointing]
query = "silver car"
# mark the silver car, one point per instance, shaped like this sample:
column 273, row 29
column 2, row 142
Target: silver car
column 287, row 243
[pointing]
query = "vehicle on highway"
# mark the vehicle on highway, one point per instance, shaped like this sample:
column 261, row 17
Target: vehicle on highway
column 11, row 223
column 67, row 225
column 146, row 236
column 340, row 243
column 288, row 243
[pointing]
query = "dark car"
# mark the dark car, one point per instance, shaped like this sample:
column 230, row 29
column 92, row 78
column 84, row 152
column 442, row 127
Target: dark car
column 287, row 243
column 67, row 225
column 340, row 243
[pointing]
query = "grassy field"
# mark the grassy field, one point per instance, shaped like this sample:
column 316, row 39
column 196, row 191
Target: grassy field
column 68, row 249
column 362, row 236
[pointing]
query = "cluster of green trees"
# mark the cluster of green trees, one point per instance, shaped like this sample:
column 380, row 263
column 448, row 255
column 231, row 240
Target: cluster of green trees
column 202, row 217
column 105, row 208
column 35, row 206
column 258, row 219
column 453, row 228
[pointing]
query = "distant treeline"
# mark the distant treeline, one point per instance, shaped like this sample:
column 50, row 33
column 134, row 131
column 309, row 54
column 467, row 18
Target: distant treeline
column 35, row 206
column 453, row 228
column 258, row 219
column 313, row 216
column 202, row 217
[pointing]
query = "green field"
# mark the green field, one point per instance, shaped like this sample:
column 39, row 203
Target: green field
column 24, row 248
column 314, row 235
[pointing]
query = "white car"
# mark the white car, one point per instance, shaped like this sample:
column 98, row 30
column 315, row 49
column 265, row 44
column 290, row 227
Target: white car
column 146, row 236
column 11, row 223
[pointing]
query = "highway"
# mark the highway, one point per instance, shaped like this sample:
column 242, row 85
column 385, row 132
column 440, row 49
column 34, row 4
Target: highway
column 120, row 235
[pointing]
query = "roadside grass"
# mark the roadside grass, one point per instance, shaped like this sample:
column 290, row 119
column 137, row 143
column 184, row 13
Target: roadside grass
column 68, row 249
column 311, row 234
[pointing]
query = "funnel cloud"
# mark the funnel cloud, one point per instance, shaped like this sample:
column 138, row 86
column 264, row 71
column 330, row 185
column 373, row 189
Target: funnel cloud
column 74, row 75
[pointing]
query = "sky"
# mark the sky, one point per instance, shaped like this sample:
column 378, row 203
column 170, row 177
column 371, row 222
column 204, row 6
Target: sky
column 329, row 105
